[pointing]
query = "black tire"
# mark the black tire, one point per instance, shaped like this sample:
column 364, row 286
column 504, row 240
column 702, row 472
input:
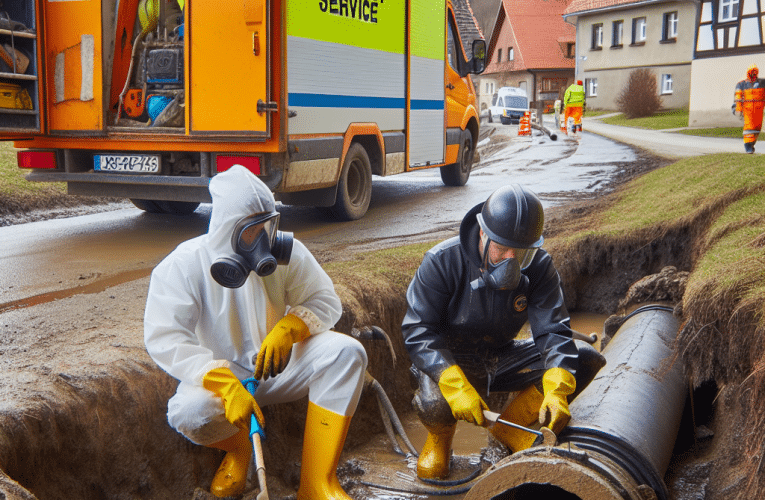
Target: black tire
column 354, row 189
column 147, row 206
column 166, row 207
column 457, row 174
column 177, row 207
column 506, row 121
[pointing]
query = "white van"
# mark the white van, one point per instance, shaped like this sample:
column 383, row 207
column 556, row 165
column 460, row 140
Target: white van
column 508, row 104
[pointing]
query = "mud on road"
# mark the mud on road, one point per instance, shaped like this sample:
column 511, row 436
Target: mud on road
column 82, row 406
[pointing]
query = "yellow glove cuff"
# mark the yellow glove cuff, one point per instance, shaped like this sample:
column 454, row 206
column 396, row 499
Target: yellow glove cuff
column 558, row 381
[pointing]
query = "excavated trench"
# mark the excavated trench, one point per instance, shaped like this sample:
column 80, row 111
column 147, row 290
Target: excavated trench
column 97, row 429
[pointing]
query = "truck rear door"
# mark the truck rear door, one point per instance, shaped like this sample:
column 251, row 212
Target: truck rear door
column 73, row 63
column 229, row 67
column 426, row 127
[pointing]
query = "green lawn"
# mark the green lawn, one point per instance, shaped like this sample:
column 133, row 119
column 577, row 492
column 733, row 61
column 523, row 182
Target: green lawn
column 675, row 118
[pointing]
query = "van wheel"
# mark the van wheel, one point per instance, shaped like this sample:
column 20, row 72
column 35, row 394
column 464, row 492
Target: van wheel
column 166, row 207
column 457, row 174
column 354, row 189
column 146, row 206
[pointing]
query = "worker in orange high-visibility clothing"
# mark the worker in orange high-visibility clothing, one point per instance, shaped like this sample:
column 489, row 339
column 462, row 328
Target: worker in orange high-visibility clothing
column 574, row 101
column 749, row 102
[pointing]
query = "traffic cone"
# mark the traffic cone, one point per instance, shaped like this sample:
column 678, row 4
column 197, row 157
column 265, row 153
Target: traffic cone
column 524, row 125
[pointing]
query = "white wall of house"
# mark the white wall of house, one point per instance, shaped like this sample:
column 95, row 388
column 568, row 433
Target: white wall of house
column 673, row 84
column 713, row 83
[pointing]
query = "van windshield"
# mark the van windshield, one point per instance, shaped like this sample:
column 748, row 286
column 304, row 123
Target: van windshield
column 514, row 101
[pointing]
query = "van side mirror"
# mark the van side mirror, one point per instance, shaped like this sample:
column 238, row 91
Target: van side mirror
column 479, row 56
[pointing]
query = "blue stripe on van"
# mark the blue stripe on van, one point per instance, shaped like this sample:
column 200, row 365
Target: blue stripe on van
column 353, row 101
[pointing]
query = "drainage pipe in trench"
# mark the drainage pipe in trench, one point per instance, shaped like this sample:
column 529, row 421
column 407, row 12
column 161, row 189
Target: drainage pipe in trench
column 623, row 427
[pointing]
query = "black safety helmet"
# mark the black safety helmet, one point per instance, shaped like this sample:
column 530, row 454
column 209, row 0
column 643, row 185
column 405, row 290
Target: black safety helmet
column 513, row 216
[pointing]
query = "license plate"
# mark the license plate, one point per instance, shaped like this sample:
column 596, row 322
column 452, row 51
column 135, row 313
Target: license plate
column 145, row 164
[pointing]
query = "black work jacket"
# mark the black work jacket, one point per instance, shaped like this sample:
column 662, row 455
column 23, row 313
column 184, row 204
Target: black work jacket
column 445, row 315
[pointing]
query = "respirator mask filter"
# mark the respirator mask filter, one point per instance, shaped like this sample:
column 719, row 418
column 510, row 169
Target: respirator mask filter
column 258, row 245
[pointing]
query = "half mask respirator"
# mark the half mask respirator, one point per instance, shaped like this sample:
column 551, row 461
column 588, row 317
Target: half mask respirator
column 258, row 245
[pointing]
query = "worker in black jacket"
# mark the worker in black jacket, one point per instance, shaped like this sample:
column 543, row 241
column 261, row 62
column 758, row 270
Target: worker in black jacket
column 466, row 304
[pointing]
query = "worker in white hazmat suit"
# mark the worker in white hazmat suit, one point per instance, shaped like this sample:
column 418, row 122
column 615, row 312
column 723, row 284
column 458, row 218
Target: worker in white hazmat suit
column 245, row 290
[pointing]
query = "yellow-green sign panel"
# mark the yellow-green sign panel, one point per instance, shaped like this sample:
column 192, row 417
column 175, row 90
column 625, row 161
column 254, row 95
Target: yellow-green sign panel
column 370, row 24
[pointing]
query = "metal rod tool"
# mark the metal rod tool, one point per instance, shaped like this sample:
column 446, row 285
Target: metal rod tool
column 257, row 433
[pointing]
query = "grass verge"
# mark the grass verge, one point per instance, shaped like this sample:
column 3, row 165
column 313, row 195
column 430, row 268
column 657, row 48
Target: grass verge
column 12, row 182
column 676, row 118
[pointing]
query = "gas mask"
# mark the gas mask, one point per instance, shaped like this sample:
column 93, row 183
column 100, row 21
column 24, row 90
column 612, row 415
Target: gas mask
column 259, row 247
column 506, row 274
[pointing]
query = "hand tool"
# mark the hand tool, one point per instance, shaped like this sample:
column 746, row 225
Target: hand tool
column 256, row 434
column 544, row 436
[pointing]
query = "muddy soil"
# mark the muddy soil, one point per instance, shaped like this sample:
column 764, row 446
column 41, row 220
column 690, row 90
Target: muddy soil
column 82, row 406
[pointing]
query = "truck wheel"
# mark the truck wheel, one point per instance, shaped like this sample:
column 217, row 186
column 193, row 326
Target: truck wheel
column 354, row 189
column 146, row 206
column 166, row 207
column 457, row 174
column 177, row 207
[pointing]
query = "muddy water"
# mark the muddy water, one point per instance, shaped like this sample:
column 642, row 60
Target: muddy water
column 384, row 467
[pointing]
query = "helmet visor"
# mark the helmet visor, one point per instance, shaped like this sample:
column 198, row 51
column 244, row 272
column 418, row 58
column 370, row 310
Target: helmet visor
column 249, row 229
column 524, row 256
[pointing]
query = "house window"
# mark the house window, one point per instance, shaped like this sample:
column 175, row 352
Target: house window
column 499, row 55
column 669, row 30
column 570, row 50
column 638, row 30
column 510, row 54
column 728, row 10
column 617, row 33
column 597, row 36
column 591, row 85
column 666, row 84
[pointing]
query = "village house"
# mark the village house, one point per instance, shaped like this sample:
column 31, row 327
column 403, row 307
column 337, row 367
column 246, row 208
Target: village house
column 615, row 37
column 532, row 48
column 729, row 39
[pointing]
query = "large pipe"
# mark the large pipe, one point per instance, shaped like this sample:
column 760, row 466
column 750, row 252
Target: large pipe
column 623, row 427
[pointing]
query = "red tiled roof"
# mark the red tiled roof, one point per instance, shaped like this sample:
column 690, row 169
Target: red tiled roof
column 586, row 5
column 538, row 27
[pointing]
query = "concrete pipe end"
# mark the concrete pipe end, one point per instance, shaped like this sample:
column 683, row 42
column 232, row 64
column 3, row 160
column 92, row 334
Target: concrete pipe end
column 556, row 474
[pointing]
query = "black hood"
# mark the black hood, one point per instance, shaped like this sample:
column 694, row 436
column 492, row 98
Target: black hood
column 469, row 235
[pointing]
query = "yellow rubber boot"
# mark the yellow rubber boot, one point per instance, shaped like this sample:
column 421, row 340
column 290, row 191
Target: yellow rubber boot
column 325, row 433
column 523, row 410
column 231, row 476
column 436, row 454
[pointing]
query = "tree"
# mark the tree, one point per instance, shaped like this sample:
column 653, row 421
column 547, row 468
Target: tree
column 640, row 97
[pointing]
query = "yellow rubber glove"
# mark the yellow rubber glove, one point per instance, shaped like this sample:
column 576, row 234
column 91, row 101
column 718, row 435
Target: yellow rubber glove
column 462, row 397
column 277, row 347
column 237, row 401
column 558, row 384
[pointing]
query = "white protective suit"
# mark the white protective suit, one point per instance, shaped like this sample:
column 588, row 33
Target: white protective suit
column 192, row 324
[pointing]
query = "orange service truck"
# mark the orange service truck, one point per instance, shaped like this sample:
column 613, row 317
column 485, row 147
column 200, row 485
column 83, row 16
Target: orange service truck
column 148, row 99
